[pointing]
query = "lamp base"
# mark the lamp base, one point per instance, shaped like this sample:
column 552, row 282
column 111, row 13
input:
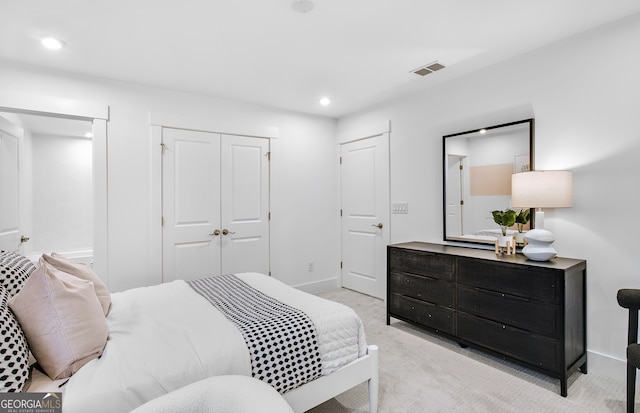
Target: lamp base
column 538, row 246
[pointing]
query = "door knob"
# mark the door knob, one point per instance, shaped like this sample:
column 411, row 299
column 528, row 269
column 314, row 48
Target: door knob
column 24, row 239
column 379, row 225
column 215, row 233
column 226, row 232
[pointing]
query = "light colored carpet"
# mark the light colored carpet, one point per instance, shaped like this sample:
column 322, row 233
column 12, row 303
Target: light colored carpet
column 421, row 372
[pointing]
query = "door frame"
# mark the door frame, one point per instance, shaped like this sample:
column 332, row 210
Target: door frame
column 98, row 114
column 159, row 120
column 371, row 131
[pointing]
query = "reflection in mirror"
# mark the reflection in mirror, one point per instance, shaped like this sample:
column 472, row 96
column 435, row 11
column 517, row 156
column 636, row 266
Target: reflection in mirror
column 478, row 165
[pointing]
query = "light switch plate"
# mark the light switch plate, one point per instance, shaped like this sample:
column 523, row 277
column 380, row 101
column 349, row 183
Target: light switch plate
column 400, row 208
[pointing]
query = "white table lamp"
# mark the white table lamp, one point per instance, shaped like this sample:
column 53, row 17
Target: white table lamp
column 541, row 189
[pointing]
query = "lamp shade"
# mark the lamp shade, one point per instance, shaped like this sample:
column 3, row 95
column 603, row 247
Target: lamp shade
column 542, row 189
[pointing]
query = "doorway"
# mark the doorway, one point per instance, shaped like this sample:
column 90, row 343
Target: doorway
column 97, row 116
column 48, row 172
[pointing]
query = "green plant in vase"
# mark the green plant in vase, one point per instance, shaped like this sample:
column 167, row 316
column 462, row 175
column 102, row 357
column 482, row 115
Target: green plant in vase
column 505, row 219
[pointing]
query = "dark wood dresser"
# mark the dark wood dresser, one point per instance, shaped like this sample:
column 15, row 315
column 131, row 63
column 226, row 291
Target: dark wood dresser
column 531, row 313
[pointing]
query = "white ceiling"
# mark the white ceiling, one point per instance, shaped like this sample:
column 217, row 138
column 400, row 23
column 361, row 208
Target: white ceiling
column 357, row 52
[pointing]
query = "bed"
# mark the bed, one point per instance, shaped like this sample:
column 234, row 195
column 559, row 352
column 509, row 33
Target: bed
column 165, row 337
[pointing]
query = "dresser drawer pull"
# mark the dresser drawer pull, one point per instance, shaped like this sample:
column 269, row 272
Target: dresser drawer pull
column 408, row 275
column 502, row 295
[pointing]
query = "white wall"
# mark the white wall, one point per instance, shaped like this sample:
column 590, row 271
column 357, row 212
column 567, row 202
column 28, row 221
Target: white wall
column 304, row 193
column 584, row 94
column 62, row 194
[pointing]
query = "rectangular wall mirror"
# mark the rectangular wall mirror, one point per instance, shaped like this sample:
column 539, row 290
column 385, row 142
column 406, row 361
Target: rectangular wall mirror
column 478, row 165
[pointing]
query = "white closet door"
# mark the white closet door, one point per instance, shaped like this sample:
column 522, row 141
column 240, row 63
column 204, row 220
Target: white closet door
column 10, row 191
column 191, row 204
column 245, row 204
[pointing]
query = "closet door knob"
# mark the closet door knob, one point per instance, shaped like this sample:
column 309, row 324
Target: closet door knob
column 377, row 225
column 215, row 233
column 226, row 232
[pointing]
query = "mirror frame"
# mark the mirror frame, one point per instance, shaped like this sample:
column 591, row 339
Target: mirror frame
column 531, row 122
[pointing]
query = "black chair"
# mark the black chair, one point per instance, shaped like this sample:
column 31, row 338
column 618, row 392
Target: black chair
column 630, row 298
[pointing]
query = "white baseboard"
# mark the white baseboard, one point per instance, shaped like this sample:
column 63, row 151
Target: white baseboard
column 607, row 366
column 319, row 286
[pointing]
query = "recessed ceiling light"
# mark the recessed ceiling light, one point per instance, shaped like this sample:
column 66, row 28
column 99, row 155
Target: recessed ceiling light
column 482, row 131
column 325, row 101
column 88, row 135
column 52, row 43
column 302, row 6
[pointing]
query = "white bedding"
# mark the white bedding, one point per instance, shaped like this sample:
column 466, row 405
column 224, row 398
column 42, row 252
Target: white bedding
column 164, row 337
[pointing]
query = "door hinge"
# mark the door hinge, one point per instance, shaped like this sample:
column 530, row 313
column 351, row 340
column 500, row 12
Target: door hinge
column 162, row 147
column 340, row 211
column 268, row 156
column 162, row 221
column 340, row 264
column 269, row 216
column 462, row 202
column 461, row 167
column 269, row 273
column 341, row 160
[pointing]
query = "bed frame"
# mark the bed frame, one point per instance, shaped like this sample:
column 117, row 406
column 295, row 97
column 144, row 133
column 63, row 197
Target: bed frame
column 324, row 388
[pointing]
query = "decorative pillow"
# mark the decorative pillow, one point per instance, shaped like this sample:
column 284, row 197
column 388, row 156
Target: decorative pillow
column 14, row 270
column 62, row 320
column 14, row 353
column 84, row 272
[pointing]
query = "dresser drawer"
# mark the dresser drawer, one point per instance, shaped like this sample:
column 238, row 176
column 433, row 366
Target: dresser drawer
column 535, row 316
column 422, row 312
column 420, row 262
column 421, row 287
column 519, row 280
column 525, row 346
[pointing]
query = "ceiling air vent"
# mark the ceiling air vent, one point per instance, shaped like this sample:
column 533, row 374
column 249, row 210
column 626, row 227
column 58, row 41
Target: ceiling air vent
column 430, row 68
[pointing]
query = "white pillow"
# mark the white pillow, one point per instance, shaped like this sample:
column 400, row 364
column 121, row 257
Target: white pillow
column 81, row 271
column 62, row 319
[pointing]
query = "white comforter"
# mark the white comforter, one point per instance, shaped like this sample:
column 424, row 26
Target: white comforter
column 164, row 337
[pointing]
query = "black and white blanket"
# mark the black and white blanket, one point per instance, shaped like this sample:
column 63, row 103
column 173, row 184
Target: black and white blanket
column 282, row 340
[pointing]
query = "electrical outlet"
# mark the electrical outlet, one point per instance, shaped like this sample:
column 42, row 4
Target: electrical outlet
column 310, row 266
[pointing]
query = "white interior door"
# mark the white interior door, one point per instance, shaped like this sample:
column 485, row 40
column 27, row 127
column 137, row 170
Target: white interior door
column 190, row 204
column 365, row 214
column 215, row 204
column 245, row 204
column 9, row 190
